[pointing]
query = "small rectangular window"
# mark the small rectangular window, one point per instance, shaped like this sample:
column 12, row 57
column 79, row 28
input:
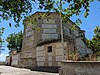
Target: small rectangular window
column 49, row 49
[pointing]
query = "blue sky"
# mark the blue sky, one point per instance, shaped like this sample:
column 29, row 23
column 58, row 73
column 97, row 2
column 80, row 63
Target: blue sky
column 88, row 24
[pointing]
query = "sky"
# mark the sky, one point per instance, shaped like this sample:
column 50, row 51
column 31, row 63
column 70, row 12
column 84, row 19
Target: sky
column 88, row 24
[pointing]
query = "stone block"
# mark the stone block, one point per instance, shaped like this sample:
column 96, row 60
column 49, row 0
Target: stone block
column 58, row 51
column 40, row 63
column 40, row 58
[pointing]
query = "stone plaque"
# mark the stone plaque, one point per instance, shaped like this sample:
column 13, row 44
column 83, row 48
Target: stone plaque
column 49, row 36
column 49, row 26
column 49, row 30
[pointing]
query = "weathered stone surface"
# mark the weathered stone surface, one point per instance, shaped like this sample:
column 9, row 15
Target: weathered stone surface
column 80, row 68
column 50, row 63
column 49, row 58
column 59, row 58
column 59, row 63
column 59, row 51
column 49, row 36
column 29, row 33
column 40, row 58
column 28, row 54
column 41, row 63
column 40, row 48
column 49, row 30
column 58, row 45
column 49, row 21
column 40, row 53
column 7, row 59
column 15, row 60
column 49, row 26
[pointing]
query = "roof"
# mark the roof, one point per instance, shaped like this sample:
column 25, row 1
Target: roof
column 53, row 41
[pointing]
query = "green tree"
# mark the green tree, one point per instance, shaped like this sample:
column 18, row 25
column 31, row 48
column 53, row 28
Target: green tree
column 94, row 43
column 16, row 9
column 1, row 40
column 15, row 41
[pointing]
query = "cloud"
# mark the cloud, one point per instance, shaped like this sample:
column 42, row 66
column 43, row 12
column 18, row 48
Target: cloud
column 3, row 56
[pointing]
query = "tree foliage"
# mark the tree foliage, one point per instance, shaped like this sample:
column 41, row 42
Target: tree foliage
column 1, row 32
column 94, row 43
column 68, row 7
column 1, row 40
column 16, row 9
column 15, row 41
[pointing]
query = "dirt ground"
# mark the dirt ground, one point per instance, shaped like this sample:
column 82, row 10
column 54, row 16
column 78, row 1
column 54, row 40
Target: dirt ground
column 7, row 70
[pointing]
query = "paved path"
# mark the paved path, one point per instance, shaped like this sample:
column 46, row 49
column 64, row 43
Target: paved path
column 7, row 70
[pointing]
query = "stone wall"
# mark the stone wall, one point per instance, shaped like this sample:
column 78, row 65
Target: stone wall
column 47, row 30
column 80, row 68
column 7, row 60
column 28, row 62
column 45, row 58
column 15, row 60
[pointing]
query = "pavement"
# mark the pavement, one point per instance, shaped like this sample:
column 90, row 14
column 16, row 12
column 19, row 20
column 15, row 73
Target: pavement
column 7, row 70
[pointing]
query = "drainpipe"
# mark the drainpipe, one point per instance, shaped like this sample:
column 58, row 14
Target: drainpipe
column 61, row 26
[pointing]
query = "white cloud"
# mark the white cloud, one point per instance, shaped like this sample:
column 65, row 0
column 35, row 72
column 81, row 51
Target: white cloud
column 3, row 56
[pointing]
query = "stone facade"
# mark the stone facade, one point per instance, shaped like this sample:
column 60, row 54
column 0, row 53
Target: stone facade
column 33, row 54
column 43, row 47
column 48, row 30
column 45, row 57
column 50, row 58
column 9, row 58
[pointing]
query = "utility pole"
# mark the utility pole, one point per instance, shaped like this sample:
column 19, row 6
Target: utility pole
column 61, row 26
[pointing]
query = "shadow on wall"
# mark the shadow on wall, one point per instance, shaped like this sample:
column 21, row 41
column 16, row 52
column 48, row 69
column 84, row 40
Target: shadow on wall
column 46, row 69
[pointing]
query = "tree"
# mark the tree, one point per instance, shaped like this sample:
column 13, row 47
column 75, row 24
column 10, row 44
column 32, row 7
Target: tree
column 68, row 7
column 16, row 9
column 1, row 40
column 94, row 43
column 15, row 41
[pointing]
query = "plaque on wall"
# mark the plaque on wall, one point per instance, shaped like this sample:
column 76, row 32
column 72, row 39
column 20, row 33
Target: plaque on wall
column 49, row 26
column 49, row 30
column 49, row 36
